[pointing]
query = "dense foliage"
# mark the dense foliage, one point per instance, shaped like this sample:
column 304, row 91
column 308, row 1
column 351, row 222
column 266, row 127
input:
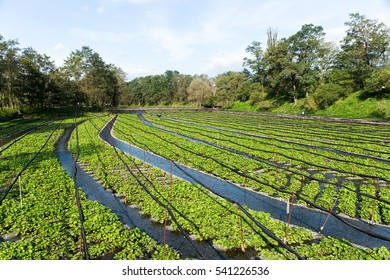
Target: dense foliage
column 301, row 66
column 338, row 167
column 39, row 219
column 31, row 80
column 267, row 160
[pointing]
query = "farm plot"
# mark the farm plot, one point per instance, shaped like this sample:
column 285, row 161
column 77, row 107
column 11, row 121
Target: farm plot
column 40, row 209
column 10, row 127
column 39, row 218
column 353, row 184
column 179, row 204
column 13, row 131
column 210, row 159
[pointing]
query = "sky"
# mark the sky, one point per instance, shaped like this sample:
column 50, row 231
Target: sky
column 148, row 37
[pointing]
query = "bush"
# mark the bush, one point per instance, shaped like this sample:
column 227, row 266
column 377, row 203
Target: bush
column 383, row 110
column 8, row 113
column 342, row 78
column 310, row 104
column 378, row 82
column 265, row 105
column 257, row 97
column 327, row 94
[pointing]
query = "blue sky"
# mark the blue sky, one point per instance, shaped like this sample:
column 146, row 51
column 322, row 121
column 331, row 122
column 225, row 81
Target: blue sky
column 147, row 37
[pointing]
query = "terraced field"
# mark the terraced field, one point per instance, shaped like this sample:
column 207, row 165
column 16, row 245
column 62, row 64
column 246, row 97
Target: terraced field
column 232, row 186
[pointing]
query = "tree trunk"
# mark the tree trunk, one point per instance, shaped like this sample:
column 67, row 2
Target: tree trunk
column 295, row 101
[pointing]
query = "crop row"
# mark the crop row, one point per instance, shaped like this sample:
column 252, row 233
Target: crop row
column 39, row 218
column 283, row 152
column 200, row 213
column 14, row 126
column 326, row 127
column 241, row 170
column 372, row 142
column 322, row 250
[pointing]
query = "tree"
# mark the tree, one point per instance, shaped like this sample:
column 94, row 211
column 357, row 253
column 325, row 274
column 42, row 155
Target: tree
column 60, row 90
column 9, row 72
column 34, row 78
column 171, row 85
column 276, row 60
column 379, row 82
column 293, row 66
column 306, row 49
column 364, row 48
column 341, row 77
column 75, row 69
column 117, row 84
column 327, row 94
column 97, row 83
column 326, row 64
column 255, row 62
column 159, row 89
column 227, row 86
column 182, row 83
column 200, row 90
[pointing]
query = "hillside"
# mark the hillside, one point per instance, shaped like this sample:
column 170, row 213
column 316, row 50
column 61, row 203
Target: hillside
column 353, row 106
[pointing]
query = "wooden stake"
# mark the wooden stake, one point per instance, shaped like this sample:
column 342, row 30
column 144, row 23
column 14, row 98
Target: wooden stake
column 20, row 193
column 165, row 230
column 327, row 217
column 289, row 212
column 171, row 181
column 245, row 175
column 240, row 229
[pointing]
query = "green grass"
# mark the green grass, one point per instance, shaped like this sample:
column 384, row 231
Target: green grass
column 352, row 106
column 288, row 108
column 244, row 107
column 8, row 113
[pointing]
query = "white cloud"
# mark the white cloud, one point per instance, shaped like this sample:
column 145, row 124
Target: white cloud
column 172, row 42
column 58, row 47
column 103, row 36
column 182, row 41
column 100, row 10
column 335, row 34
column 141, row 2
column 224, row 60
column 133, row 72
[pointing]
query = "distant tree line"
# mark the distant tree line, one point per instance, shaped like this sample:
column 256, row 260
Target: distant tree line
column 31, row 80
column 303, row 65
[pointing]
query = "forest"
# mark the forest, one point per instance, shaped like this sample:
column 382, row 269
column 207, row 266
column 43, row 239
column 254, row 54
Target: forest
column 303, row 66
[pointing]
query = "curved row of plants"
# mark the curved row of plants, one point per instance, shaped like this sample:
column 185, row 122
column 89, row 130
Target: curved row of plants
column 205, row 216
column 290, row 123
column 282, row 152
column 137, row 137
column 370, row 140
column 11, row 127
column 347, row 199
column 236, row 168
column 39, row 218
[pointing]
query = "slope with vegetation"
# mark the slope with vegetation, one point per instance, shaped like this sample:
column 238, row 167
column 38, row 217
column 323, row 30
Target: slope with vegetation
column 303, row 72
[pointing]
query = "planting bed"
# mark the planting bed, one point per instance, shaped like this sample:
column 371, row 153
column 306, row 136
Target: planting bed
column 203, row 185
